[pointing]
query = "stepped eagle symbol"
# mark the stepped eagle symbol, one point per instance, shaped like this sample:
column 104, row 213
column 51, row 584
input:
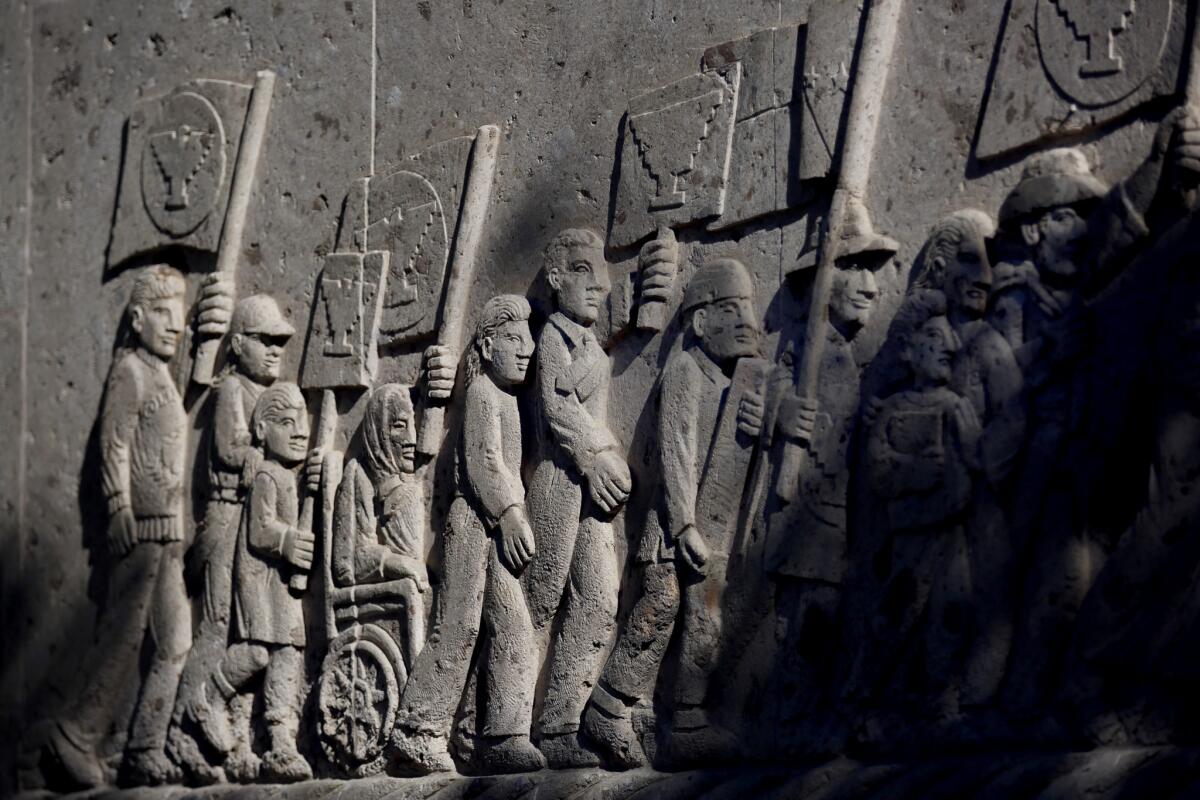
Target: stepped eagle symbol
column 180, row 154
column 658, row 134
column 1098, row 23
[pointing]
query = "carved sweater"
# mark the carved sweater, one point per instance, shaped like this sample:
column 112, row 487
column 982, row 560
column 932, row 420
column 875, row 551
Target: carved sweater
column 264, row 610
column 370, row 526
column 143, row 438
column 489, row 457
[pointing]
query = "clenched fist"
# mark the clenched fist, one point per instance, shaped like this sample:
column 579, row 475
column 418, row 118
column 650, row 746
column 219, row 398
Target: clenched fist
column 441, row 364
column 215, row 306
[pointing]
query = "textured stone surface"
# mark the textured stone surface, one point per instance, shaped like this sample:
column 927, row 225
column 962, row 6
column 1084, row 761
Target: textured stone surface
column 700, row 386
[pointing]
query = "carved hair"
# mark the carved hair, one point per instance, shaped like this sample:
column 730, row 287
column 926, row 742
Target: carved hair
column 277, row 398
column 158, row 282
column 944, row 240
column 920, row 306
column 561, row 246
column 499, row 311
column 385, row 404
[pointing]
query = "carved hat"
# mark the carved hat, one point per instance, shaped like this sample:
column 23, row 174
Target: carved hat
column 857, row 237
column 718, row 279
column 260, row 314
column 1059, row 177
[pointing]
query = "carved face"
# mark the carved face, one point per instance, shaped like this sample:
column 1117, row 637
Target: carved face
column 853, row 295
column 158, row 325
column 1059, row 233
column 507, row 353
column 402, row 433
column 727, row 328
column 582, row 285
column 969, row 278
column 930, row 352
column 259, row 356
column 285, row 437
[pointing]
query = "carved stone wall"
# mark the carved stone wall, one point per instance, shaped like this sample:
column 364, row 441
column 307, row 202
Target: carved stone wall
column 575, row 388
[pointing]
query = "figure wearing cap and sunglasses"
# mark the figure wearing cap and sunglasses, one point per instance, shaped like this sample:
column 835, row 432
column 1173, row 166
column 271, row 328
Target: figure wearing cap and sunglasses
column 1077, row 235
column 258, row 334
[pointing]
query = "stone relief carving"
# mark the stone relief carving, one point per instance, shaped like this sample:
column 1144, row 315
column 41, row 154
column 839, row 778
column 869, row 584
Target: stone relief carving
column 916, row 519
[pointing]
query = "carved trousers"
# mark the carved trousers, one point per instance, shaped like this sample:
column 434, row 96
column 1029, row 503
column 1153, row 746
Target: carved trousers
column 146, row 595
column 574, row 576
column 632, row 667
column 807, row 635
column 481, row 609
column 283, row 681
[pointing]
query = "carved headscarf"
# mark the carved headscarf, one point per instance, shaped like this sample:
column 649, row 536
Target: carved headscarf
column 386, row 403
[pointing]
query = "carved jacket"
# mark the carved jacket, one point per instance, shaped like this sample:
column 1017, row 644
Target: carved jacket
column 489, row 456
column 231, row 441
column 264, row 610
column 371, row 526
column 690, row 395
column 572, row 395
column 143, row 439
column 986, row 373
column 812, row 541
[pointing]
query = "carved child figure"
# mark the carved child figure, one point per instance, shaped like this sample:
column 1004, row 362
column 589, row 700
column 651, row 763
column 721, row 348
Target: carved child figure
column 682, row 559
column 143, row 438
column 268, row 628
column 257, row 336
column 488, row 542
column 921, row 452
column 581, row 480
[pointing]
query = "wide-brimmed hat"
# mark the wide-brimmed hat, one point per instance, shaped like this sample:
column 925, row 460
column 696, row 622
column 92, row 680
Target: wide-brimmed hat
column 856, row 238
column 718, row 279
column 1059, row 177
column 260, row 314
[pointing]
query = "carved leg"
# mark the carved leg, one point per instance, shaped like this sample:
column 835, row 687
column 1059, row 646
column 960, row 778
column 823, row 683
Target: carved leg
column 807, row 635
column 283, row 695
column 588, row 619
column 553, row 503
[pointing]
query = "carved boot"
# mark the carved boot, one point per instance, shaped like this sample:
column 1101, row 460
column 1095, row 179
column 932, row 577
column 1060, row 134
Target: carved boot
column 697, row 741
column 242, row 765
column 608, row 724
column 510, row 754
column 75, row 755
column 149, row 767
column 212, row 719
column 421, row 752
column 567, row 751
column 283, row 762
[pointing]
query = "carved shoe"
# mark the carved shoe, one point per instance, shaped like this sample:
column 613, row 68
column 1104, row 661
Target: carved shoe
column 510, row 754
column 72, row 752
column 567, row 751
column 211, row 720
column 609, row 726
column 420, row 752
column 242, row 765
column 701, row 746
column 285, row 765
column 149, row 767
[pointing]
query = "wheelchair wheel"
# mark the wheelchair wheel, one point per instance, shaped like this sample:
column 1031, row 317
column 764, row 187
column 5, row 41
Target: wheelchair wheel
column 357, row 698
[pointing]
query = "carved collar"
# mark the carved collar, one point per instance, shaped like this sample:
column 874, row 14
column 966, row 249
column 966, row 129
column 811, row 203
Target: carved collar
column 576, row 334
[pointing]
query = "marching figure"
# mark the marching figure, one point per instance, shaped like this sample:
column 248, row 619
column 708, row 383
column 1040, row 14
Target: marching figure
column 488, row 542
column 682, row 555
column 268, row 624
column 581, row 480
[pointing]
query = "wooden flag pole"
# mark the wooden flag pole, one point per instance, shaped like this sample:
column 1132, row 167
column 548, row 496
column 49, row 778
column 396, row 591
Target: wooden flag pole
column 230, row 246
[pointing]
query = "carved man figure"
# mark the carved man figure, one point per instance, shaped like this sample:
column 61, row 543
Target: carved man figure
column 258, row 334
column 380, row 515
column 581, row 480
column 922, row 449
column 986, row 373
column 682, row 554
column 1078, row 234
column 488, row 542
column 143, row 438
column 268, row 626
column 806, row 535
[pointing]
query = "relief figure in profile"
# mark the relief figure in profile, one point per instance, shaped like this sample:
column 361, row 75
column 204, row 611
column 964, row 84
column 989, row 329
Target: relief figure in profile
column 268, row 638
column 682, row 558
column 258, row 334
column 1078, row 234
column 488, row 541
column 806, row 545
column 580, row 481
